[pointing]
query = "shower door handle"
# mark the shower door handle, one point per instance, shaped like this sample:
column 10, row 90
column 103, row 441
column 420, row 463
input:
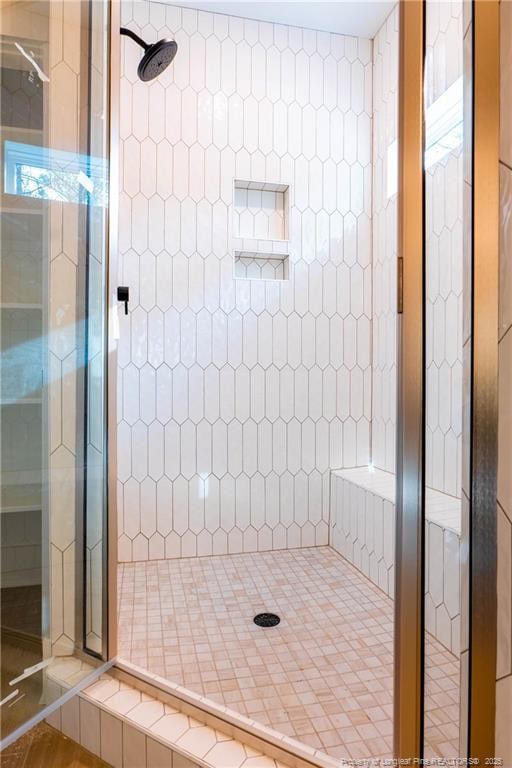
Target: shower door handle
column 123, row 294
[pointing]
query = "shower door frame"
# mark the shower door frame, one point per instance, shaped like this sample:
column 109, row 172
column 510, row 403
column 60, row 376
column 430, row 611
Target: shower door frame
column 410, row 485
column 410, row 488
column 480, row 424
column 110, row 582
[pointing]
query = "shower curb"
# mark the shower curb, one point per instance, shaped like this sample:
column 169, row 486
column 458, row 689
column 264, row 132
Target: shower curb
column 131, row 723
column 287, row 751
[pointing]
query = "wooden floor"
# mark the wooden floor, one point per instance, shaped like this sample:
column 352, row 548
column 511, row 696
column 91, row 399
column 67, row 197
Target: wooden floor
column 44, row 747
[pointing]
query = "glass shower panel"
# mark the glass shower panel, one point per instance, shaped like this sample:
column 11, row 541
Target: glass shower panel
column 443, row 175
column 95, row 368
column 53, row 199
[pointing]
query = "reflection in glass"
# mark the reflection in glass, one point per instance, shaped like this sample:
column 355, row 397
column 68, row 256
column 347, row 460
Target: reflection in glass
column 49, row 174
column 443, row 353
column 53, row 196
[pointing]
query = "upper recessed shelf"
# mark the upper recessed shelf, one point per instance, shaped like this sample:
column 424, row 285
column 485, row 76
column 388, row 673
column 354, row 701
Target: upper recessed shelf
column 261, row 210
column 261, row 186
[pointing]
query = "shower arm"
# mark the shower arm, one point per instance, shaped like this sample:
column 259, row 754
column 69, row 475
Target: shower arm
column 134, row 37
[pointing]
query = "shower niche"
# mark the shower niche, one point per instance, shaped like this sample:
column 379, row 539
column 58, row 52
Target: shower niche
column 261, row 214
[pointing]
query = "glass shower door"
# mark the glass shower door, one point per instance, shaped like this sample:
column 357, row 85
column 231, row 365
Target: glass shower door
column 447, row 425
column 461, row 126
column 445, row 294
column 54, row 193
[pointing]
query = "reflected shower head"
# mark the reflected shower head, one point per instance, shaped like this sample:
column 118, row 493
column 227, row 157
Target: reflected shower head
column 157, row 56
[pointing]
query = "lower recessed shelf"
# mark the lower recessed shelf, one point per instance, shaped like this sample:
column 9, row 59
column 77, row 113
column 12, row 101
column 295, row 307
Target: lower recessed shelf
column 261, row 266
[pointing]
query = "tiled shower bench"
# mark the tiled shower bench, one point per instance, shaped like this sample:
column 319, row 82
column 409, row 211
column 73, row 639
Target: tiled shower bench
column 362, row 529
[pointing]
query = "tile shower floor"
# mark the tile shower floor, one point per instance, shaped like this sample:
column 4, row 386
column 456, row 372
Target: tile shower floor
column 323, row 676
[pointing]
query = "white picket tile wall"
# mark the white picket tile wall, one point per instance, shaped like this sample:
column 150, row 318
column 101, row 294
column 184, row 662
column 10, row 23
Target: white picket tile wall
column 385, row 106
column 444, row 260
column 444, row 265
column 236, row 397
column 443, row 431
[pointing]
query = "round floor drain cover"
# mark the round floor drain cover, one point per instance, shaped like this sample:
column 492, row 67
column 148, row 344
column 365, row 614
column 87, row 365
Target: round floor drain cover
column 267, row 620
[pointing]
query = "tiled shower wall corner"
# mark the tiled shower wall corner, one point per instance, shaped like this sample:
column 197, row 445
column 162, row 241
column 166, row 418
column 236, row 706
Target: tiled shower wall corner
column 385, row 81
column 236, row 397
column 443, row 217
column 504, row 660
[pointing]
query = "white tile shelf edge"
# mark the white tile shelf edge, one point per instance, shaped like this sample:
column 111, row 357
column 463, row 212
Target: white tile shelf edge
column 270, row 249
column 251, row 265
column 132, row 729
column 262, row 186
column 280, row 257
column 263, row 249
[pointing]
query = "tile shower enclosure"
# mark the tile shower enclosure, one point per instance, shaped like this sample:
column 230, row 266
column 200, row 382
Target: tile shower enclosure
column 237, row 396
